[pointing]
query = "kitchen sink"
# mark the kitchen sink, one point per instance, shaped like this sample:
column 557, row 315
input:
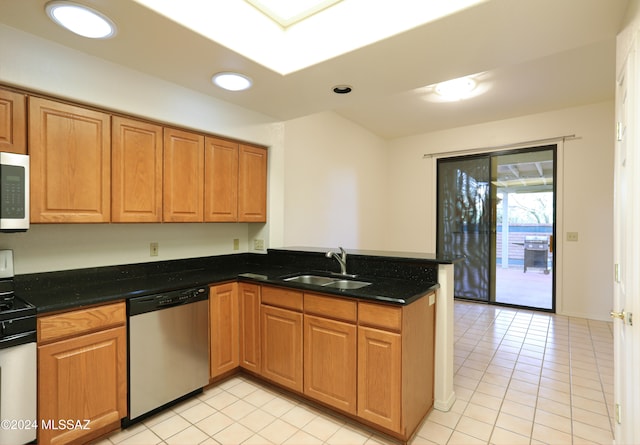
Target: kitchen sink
column 347, row 284
column 311, row 279
column 328, row 282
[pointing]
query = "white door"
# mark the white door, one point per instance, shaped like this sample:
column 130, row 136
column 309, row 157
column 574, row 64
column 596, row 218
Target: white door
column 627, row 255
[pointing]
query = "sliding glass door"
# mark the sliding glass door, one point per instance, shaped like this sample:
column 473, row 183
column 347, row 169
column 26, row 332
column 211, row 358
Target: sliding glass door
column 498, row 211
column 464, row 222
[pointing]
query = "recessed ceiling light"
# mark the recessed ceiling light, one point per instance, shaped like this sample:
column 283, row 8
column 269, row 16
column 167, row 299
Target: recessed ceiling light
column 232, row 81
column 342, row 89
column 456, row 89
column 81, row 19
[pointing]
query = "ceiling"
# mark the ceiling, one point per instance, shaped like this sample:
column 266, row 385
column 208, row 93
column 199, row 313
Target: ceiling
column 532, row 55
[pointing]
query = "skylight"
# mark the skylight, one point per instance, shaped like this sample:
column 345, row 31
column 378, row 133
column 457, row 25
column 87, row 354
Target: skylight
column 288, row 12
column 341, row 27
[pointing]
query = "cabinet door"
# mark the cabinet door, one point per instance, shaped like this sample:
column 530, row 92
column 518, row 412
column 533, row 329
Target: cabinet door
column 282, row 346
column 249, row 299
column 252, row 184
column 223, row 307
column 183, row 176
column 82, row 378
column 136, row 180
column 220, row 180
column 330, row 362
column 379, row 377
column 70, row 152
column 13, row 122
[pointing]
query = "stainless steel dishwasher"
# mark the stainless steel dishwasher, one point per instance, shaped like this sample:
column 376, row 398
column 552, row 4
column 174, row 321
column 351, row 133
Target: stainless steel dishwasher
column 168, row 349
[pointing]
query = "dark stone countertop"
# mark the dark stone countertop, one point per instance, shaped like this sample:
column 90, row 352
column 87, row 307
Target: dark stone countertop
column 394, row 281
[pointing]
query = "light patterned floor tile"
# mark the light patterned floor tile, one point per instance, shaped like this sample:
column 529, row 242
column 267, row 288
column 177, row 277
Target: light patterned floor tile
column 502, row 436
column 170, row 426
column 257, row 420
column 278, row 431
column 346, row 435
column 302, row 438
column 144, row 437
column 233, row 434
column 198, row 412
column 190, row 436
column 323, row 427
column 475, row 428
column 215, row 423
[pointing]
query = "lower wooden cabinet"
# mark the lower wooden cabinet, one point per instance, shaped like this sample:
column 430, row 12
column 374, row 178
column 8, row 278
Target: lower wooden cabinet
column 281, row 337
column 396, row 364
column 282, row 346
column 224, row 328
column 371, row 361
column 379, row 377
column 249, row 314
column 82, row 365
column 330, row 362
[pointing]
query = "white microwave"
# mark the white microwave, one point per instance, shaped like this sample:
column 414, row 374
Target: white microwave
column 14, row 192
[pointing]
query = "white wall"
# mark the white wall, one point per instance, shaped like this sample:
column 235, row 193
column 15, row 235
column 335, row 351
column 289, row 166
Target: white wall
column 585, row 193
column 335, row 184
column 32, row 63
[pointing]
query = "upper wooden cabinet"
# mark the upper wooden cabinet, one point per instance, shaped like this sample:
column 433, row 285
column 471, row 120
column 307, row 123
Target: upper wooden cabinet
column 235, row 182
column 70, row 150
column 88, row 166
column 136, row 177
column 252, row 184
column 221, row 180
column 183, row 176
column 13, row 122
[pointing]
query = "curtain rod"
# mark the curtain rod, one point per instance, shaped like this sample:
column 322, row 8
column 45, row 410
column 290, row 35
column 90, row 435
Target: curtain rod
column 499, row 147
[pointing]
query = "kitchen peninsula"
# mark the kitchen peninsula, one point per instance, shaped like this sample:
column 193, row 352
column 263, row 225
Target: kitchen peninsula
column 387, row 319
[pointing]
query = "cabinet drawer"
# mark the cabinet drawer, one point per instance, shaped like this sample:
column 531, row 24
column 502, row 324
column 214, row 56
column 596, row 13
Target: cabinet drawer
column 338, row 308
column 82, row 321
column 279, row 297
column 380, row 316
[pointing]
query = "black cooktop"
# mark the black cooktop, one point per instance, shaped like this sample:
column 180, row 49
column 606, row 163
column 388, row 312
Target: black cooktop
column 17, row 309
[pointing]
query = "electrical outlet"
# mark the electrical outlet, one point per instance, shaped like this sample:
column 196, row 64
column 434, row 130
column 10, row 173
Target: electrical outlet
column 153, row 249
column 236, row 244
column 258, row 244
column 572, row 236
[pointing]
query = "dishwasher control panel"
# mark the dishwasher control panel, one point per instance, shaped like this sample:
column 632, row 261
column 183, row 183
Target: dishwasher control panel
column 148, row 303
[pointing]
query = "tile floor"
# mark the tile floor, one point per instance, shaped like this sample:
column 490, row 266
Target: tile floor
column 521, row 377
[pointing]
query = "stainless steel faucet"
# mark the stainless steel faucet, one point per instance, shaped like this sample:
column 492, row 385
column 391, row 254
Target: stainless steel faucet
column 342, row 259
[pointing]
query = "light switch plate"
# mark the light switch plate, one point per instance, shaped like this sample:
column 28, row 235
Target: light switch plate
column 572, row 236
